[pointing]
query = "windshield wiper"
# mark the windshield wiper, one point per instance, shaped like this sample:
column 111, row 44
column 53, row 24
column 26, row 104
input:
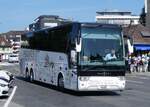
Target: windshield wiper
column 90, row 68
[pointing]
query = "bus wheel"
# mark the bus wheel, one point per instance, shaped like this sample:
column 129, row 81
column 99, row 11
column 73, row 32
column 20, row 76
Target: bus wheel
column 60, row 82
column 31, row 76
column 26, row 74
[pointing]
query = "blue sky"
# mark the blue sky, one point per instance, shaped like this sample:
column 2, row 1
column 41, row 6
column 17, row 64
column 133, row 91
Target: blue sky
column 18, row 14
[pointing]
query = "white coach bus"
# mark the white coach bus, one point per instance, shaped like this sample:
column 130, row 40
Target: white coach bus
column 73, row 56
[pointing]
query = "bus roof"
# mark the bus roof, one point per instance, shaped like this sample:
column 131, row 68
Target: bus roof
column 100, row 25
column 83, row 24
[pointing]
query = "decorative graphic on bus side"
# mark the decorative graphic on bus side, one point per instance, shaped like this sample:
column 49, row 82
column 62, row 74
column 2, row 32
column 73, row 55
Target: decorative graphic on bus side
column 48, row 63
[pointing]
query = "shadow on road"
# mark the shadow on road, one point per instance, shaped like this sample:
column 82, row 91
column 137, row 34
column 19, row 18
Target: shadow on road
column 4, row 97
column 129, row 88
column 94, row 93
column 75, row 93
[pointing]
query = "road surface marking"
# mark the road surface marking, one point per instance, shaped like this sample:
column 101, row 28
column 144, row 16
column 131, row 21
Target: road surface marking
column 146, row 78
column 8, row 64
column 10, row 97
column 137, row 82
column 1, row 100
column 140, row 77
column 131, row 76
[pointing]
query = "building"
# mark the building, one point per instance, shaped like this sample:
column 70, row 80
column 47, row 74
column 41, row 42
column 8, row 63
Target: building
column 116, row 17
column 140, row 35
column 5, row 48
column 14, row 37
column 147, row 11
column 45, row 21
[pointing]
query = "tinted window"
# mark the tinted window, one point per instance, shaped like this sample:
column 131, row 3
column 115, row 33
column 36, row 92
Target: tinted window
column 55, row 39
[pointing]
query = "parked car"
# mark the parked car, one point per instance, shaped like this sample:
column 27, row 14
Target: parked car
column 13, row 58
column 6, row 79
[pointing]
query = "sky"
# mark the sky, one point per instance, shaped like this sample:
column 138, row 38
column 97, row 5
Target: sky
column 18, row 14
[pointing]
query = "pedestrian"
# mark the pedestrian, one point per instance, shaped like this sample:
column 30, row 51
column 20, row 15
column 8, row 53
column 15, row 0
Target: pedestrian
column 136, row 64
column 132, row 65
column 140, row 63
column 149, row 62
column 145, row 63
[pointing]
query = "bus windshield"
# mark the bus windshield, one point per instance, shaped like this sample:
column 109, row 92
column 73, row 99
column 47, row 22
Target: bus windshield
column 101, row 46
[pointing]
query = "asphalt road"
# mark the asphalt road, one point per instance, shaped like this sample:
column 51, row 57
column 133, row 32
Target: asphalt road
column 137, row 94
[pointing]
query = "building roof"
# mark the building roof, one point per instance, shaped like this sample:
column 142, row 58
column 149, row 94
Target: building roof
column 114, row 12
column 54, row 17
column 4, row 42
column 48, row 16
column 139, row 33
column 13, row 33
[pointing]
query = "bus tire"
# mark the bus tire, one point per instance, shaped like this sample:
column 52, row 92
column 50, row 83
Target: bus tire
column 60, row 82
column 31, row 76
column 27, row 73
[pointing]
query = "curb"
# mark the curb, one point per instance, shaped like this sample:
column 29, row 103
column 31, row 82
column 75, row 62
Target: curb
column 139, row 73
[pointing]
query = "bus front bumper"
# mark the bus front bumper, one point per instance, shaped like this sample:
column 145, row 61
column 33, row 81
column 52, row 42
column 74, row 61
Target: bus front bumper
column 86, row 83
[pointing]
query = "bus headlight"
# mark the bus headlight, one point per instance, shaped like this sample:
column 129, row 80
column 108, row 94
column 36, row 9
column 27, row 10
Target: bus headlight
column 83, row 78
column 3, row 85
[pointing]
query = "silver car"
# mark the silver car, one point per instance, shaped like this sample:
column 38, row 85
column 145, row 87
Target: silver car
column 5, row 81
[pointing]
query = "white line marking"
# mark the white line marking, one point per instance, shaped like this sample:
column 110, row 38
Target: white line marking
column 140, row 77
column 131, row 76
column 2, row 100
column 10, row 97
column 137, row 82
column 146, row 78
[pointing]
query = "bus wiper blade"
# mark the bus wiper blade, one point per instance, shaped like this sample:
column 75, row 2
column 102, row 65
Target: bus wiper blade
column 99, row 61
column 90, row 68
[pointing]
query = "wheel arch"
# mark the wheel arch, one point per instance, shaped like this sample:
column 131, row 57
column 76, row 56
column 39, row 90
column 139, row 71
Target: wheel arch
column 26, row 70
column 33, row 75
column 60, row 74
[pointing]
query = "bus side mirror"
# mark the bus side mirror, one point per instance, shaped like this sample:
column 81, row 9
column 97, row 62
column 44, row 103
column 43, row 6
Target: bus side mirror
column 130, row 46
column 78, row 44
column 131, row 41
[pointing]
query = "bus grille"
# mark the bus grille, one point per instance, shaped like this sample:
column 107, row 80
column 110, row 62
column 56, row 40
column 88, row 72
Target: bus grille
column 101, row 73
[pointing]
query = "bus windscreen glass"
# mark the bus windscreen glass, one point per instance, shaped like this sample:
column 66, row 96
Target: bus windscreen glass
column 98, row 44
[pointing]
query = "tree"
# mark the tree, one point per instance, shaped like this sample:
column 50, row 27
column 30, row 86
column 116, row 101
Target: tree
column 143, row 17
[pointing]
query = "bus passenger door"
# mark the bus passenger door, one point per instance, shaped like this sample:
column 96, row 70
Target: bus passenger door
column 74, row 79
column 73, row 66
